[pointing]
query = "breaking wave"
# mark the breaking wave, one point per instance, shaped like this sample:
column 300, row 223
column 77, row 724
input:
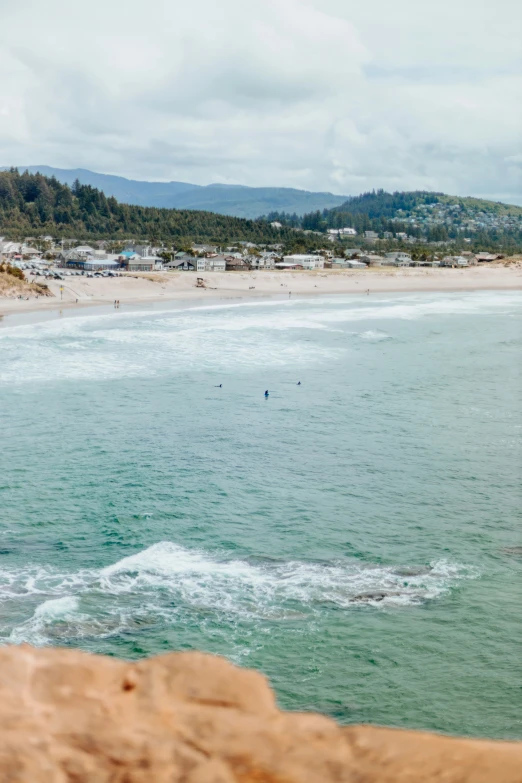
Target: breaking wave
column 171, row 584
column 216, row 337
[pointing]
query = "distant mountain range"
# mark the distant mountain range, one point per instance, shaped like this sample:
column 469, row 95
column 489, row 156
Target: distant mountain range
column 233, row 200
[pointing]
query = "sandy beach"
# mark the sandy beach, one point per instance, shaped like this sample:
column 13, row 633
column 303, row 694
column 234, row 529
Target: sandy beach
column 79, row 292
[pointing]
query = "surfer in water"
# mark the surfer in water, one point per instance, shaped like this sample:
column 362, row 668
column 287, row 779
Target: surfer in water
column 298, row 383
column 266, row 393
column 220, row 386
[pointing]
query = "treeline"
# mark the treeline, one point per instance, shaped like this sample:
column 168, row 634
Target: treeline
column 35, row 204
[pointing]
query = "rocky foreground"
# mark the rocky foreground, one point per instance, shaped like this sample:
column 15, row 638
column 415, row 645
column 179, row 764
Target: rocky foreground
column 69, row 717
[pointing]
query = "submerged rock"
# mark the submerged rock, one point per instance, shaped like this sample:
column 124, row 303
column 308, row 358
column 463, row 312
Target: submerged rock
column 364, row 598
column 70, row 717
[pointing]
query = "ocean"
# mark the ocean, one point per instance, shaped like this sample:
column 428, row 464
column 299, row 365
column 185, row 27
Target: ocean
column 355, row 537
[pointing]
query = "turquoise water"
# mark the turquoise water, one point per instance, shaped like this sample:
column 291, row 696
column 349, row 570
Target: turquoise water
column 354, row 537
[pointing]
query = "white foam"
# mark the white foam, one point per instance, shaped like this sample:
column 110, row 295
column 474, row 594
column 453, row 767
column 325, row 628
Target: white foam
column 169, row 582
column 36, row 629
column 56, row 608
column 216, row 337
column 263, row 590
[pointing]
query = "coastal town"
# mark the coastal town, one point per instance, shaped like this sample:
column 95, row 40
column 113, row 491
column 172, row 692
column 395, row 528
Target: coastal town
column 44, row 255
column 42, row 274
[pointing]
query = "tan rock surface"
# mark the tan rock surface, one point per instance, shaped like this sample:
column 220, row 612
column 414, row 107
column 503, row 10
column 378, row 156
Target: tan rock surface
column 68, row 717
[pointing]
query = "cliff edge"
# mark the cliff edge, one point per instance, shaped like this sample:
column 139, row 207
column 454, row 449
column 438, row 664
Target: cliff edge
column 70, row 717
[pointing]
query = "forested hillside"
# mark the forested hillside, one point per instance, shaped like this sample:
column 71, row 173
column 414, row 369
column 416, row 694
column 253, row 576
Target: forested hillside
column 35, row 204
column 432, row 217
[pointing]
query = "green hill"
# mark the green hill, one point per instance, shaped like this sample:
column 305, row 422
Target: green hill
column 422, row 215
column 382, row 204
column 33, row 203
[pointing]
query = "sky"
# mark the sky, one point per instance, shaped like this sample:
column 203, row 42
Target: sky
column 335, row 95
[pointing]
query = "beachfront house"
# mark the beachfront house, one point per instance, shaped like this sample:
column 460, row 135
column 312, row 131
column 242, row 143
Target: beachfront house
column 213, row 263
column 97, row 264
column 233, row 264
column 139, row 264
column 398, row 258
column 347, row 263
column 182, row 262
column 455, row 261
column 297, row 261
column 263, row 260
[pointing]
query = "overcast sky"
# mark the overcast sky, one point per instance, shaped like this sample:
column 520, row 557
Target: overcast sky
column 338, row 95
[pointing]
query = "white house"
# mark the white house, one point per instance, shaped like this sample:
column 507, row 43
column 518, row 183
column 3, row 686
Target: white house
column 306, row 262
column 212, row 264
column 347, row 232
column 10, row 249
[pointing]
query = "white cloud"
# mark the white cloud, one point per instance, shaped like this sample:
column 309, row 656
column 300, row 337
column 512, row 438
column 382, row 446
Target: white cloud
column 322, row 94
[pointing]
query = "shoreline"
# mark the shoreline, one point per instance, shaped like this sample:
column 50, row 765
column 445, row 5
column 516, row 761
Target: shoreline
column 139, row 291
